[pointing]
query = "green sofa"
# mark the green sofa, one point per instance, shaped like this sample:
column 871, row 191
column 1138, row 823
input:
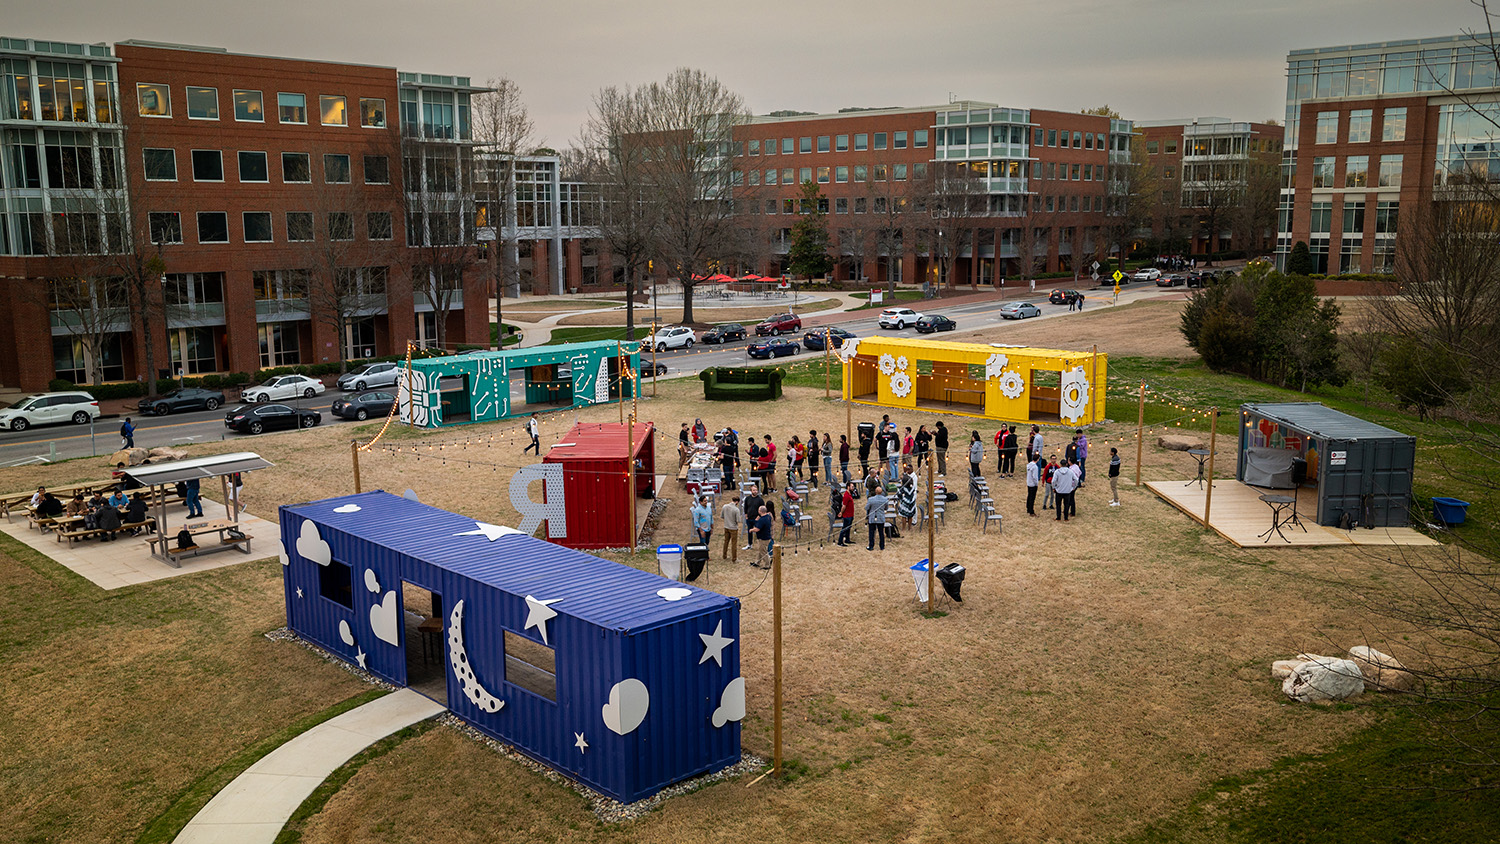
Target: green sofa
column 726, row 384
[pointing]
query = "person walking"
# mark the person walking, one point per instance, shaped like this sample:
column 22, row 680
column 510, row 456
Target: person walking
column 976, row 454
column 194, row 503
column 1083, row 456
column 1033, row 286
column 734, row 521
column 1033, row 480
column 534, row 428
column 846, row 513
column 1080, row 301
column 127, row 433
column 940, row 442
column 843, row 454
column 1114, row 477
column 703, row 520
column 1064, row 482
column 875, row 518
column 826, row 447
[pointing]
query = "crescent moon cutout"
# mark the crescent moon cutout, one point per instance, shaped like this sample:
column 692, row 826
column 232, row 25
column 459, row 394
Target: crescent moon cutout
column 463, row 670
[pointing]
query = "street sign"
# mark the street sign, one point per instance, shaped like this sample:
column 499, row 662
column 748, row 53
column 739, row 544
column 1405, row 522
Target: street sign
column 1118, row 276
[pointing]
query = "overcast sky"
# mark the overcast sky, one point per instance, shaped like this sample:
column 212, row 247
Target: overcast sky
column 1149, row 59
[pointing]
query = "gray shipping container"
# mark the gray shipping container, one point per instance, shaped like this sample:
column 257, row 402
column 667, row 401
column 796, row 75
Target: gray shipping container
column 1360, row 468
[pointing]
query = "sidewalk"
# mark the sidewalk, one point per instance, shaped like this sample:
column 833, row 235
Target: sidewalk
column 257, row 804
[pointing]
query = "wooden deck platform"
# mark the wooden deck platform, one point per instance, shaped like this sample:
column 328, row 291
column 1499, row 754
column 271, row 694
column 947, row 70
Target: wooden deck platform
column 1241, row 517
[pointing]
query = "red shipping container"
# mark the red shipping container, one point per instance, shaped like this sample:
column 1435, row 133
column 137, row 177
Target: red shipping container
column 596, row 474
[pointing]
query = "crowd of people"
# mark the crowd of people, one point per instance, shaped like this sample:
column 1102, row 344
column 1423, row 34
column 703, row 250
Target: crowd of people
column 108, row 515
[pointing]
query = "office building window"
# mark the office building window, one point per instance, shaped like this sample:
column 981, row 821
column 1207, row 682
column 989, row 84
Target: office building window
column 1327, row 128
column 161, row 164
column 882, row 173
column 1153, row 147
column 788, row 206
column 770, row 206
column 1036, row 170
column 208, row 165
column 1354, row 218
column 291, row 108
column 377, row 170
column 787, row 146
column 203, row 103
column 786, row 176
column 213, row 227
column 861, row 205
column 804, row 175
column 153, row 100
column 804, row 145
column 1088, row 140
column 841, row 143
column 770, row 146
column 755, row 147
column 823, row 175
column 333, row 110
column 296, row 167
column 823, row 143
column 1076, row 172
column 1322, row 172
column 253, row 167
column 340, row 226
column 771, row 177
column 919, row 170
column 1359, row 125
column 1349, row 254
column 299, row 226
column 1038, row 137
column 1077, row 140
column 861, row 173
column 1168, row 146
column 257, row 226
column 166, row 226
column 919, row 139
column 1072, row 203
column 1322, row 218
column 336, row 169
column 754, row 179
column 249, row 107
column 372, row 112
column 841, row 174
column 900, row 172
column 861, row 142
column 900, row 141
column 278, row 347
column 841, row 205
column 1051, row 203
column 1393, row 124
column 1357, row 171
column 880, row 140
column 1390, row 171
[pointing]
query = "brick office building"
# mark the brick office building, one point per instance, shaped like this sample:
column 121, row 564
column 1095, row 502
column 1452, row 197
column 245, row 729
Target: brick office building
column 1204, row 166
column 259, row 181
column 1040, row 179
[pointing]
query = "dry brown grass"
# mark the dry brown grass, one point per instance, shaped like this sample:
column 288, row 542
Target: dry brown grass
column 1098, row 674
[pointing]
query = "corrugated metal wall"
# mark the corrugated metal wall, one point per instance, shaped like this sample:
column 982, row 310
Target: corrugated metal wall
column 1379, row 468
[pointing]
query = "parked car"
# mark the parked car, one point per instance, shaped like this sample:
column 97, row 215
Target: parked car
column 370, row 375
column 362, row 406
column 1199, row 279
column 1019, row 310
column 647, row 371
column 673, row 337
column 187, row 398
column 724, row 333
column 1064, row 297
column 935, row 322
column 778, row 325
column 49, row 409
column 253, row 419
column 898, row 318
column 813, row 340
column 773, row 348
column 1146, row 274
column 284, row 387
column 1173, row 280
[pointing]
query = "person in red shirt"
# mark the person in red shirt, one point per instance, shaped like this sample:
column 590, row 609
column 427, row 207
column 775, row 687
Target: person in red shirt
column 847, row 514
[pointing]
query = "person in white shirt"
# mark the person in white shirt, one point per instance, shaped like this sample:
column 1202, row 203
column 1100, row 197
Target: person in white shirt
column 733, row 519
column 1035, row 447
column 1033, row 480
column 1065, row 484
column 534, row 428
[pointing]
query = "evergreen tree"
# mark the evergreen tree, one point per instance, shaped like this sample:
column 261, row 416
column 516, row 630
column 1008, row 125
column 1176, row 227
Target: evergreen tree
column 1300, row 262
column 808, row 254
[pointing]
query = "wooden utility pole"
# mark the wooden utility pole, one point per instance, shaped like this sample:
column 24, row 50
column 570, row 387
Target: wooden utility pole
column 931, row 542
column 776, row 657
column 354, row 452
column 1140, row 433
column 1213, row 441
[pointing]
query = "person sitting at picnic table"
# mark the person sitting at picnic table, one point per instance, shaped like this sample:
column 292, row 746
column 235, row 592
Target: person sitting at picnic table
column 107, row 519
column 135, row 512
column 49, row 507
column 77, row 507
column 36, row 498
column 117, row 498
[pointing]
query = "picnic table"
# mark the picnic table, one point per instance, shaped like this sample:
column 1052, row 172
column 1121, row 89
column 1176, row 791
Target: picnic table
column 211, row 527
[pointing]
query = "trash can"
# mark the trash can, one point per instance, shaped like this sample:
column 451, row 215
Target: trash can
column 919, row 575
column 669, row 561
column 952, row 578
column 1449, row 511
column 696, row 556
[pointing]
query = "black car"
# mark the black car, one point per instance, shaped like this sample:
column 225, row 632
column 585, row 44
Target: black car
column 813, row 340
column 647, row 371
column 1196, row 279
column 935, row 322
column 724, row 333
column 255, row 418
column 773, row 347
column 362, row 406
column 187, row 398
column 1064, row 297
column 1171, row 281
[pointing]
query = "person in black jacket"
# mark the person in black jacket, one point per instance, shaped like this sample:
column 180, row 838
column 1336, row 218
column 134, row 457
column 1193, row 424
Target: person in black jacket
column 50, row 507
column 940, row 442
column 752, row 505
column 107, row 519
column 135, row 512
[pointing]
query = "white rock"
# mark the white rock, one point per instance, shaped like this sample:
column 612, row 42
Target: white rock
column 1283, row 668
column 1178, row 442
column 1324, row 679
column 1382, row 672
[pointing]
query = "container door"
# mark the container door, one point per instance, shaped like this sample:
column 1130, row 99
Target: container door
column 1390, row 481
column 1339, row 481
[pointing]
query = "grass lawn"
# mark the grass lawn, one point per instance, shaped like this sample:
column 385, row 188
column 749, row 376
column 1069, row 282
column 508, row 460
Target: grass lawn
column 589, row 333
column 1104, row 678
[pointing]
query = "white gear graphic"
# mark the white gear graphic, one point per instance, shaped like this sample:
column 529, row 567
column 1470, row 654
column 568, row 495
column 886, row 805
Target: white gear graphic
column 1012, row 385
column 887, row 364
column 1075, row 394
column 995, row 364
column 901, row 363
column 900, row 385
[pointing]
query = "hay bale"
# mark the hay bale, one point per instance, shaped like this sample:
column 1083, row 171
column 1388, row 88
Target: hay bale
column 1382, row 672
column 1178, row 442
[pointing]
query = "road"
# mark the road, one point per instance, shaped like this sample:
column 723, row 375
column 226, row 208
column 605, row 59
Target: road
column 62, row 442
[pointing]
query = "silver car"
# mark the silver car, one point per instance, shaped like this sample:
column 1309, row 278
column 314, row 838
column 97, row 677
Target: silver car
column 370, row 375
column 1019, row 310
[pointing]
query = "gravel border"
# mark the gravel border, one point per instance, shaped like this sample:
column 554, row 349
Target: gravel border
column 647, row 536
column 606, row 809
column 284, row 634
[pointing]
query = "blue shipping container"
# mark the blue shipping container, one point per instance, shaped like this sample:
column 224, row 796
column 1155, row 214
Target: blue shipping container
column 619, row 678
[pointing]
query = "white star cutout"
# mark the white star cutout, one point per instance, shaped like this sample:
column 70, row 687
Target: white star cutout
column 537, row 615
column 359, row 656
column 714, row 644
column 489, row 531
column 582, row 745
column 299, row 591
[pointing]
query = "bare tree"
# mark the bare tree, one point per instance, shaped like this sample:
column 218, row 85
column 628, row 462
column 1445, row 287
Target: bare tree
column 1134, row 191
column 952, row 199
column 92, row 307
column 889, row 220
column 1448, row 269
column 503, row 130
column 440, row 237
column 614, row 155
column 1254, row 218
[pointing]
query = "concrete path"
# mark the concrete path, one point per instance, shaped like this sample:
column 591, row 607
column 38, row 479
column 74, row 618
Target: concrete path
column 257, row 804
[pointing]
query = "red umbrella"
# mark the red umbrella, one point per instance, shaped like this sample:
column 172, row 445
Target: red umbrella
column 719, row 277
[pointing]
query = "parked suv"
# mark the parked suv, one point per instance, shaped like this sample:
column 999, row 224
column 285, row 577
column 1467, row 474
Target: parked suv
column 673, row 337
column 778, row 325
column 49, row 409
column 898, row 318
column 370, row 375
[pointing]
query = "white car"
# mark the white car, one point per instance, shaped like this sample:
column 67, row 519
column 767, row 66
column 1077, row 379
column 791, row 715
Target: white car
column 673, row 337
column 284, row 387
column 1146, row 274
column 898, row 318
column 370, row 375
column 48, row 409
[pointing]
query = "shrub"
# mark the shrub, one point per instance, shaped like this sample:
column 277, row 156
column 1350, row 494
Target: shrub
column 1419, row 375
column 212, row 382
column 1227, row 339
column 119, row 390
column 1300, row 262
column 58, row 385
column 235, row 379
